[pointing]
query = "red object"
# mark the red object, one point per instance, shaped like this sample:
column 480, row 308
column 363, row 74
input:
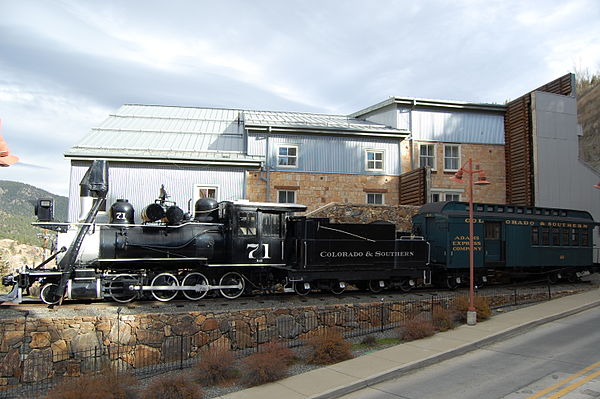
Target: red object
column 5, row 158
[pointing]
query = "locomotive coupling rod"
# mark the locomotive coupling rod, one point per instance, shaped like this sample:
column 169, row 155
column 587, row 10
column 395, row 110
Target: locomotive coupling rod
column 197, row 288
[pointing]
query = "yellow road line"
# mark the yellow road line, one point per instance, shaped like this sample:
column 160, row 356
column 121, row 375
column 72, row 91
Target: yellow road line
column 574, row 386
column 563, row 382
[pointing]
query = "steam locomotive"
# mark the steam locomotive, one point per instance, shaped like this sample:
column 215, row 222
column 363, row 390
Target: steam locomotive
column 227, row 248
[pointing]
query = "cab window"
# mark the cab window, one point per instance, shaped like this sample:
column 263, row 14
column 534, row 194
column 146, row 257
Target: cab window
column 271, row 224
column 247, row 224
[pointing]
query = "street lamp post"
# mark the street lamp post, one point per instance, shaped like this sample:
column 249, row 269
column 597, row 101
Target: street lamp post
column 482, row 180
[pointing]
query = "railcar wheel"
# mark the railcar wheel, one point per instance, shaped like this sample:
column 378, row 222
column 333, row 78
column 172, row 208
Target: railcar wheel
column 552, row 278
column 162, row 282
column 194, row 279
column 572, row 278
column 338, row 288
column 118, row 288
column 49, row 294
column 452, row 282
column 301, row 288
column 232, row 278
column 376, row 286
column 406, row 286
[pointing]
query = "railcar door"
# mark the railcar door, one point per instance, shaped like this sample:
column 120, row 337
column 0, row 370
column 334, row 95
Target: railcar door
column 493, row 244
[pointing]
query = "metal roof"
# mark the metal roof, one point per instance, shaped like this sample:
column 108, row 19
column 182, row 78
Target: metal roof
column 204, row 135
column 421, row 102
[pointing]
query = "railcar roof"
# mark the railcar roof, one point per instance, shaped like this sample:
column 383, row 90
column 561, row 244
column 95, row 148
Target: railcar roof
column 507, row 210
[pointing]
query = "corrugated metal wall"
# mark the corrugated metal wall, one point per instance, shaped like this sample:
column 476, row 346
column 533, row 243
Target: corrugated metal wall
column 328, row 154
column 454, row 126
column 140, row 183
column 520, row 183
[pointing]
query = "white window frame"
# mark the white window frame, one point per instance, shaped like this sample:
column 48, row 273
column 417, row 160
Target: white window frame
column 443, row 192
column 382, row 195
column 287, row 192
column 296, row 157
column 375, row 161
column 433, row 166
column 458, row 161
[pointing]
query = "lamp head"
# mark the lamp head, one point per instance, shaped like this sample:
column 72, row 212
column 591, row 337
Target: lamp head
column 597, row 185
column 482, row 180
column 458, row 176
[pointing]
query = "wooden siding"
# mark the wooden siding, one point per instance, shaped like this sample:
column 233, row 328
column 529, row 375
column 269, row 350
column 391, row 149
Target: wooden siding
column 414, row 187
column 518, row 130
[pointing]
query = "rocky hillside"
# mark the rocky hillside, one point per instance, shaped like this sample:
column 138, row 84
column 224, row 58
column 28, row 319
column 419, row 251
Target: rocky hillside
column 588, row 116
column 17, row 211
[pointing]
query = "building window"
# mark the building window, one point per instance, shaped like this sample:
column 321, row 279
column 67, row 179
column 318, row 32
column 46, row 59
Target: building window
column 440, row 196
column 286, row 197
column 204, row 191
column 451, row 157
column 375, row 198
column 287, row 156
column 374, row 160
column 427, row 155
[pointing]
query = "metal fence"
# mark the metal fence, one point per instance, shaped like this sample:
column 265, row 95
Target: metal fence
column 39, row 370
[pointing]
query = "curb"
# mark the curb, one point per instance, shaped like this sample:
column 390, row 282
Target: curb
column 418, row 364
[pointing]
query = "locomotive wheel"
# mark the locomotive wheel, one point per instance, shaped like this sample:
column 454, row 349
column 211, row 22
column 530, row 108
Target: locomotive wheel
column 161, row 280
column 118, row 288
column 337, row 288
column 375, row 287
column 49, row 294
column 300, row 289
column 232, row 278
column 194, row 279
column 552, row 278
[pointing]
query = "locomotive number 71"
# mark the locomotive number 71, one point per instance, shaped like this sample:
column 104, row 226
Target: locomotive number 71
column 254, row 253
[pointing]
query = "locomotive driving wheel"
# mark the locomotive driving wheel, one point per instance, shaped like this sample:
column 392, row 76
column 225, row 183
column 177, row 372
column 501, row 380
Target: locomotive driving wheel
column 194, row 279
column 161, row 284
column 49, row 294
column 232, row 279
column 119, row 290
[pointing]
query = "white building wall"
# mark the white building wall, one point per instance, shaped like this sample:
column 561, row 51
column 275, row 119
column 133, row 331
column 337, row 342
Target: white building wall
column 140, row 184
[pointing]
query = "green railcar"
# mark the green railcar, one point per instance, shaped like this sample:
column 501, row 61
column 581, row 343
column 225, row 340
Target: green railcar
column 508, row 241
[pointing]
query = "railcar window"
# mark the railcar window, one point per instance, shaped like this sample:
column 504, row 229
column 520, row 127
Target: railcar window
column 547, row 212
column 554, row 213
column 563, row 213
column 538, row 211
column 545, row 236
column 510, row 209
column 585, row 238
column 247, row 224
column 492, row 231
column 479, row 208
column 529, row 211
column 555, row 236
column 564, row 236
column 490, row 208
column 574, row 237
column 535, row 235
column 271, row 224
column 500, row 209
column 520, row 210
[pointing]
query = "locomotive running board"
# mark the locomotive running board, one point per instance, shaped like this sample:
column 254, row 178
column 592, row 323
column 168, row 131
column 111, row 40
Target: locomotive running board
column 197, row 288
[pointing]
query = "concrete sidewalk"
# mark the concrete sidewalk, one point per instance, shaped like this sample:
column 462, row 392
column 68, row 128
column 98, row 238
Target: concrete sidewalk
column 351, row 375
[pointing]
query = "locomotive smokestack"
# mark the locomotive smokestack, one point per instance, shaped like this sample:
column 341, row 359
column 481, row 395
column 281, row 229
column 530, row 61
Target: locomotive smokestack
column 93, row 185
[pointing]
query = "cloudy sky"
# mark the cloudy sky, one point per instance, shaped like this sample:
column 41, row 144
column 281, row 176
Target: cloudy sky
column 65, row 65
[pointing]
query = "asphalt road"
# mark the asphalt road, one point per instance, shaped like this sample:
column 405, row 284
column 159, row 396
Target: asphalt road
column 520, row 367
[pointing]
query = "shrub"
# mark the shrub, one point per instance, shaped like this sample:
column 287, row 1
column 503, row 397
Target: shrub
column 443, row 319
column 102, row 386
column 168, row 387
column 329, row 347
column 216, row 367
column 416, row 328
column 482, row 305
column 268, row 365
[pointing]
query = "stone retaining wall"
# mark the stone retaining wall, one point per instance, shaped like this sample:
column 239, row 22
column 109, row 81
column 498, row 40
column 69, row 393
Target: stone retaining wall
column 37, row 349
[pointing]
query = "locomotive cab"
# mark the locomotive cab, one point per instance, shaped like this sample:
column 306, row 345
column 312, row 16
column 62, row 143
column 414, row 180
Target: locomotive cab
column 255, row 232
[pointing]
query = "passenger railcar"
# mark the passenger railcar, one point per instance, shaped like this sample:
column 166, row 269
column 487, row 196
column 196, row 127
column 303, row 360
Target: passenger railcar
column 509, row 241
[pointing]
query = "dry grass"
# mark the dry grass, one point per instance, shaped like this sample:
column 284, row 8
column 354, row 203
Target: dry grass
column 268, row 365
column 461, row 304
column 172, row 388
column 416, row 328
column 329, row 347
column 102, row 386
column 443, row 319
column 216, row 367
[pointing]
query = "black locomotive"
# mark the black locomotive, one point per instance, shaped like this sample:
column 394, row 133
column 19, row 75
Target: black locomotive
column 227, row 247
